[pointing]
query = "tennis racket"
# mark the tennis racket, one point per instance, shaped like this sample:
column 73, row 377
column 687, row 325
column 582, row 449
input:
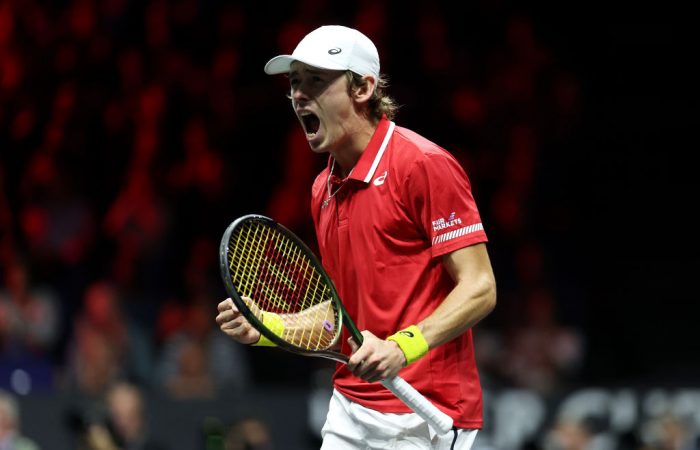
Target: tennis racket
column 267, row 269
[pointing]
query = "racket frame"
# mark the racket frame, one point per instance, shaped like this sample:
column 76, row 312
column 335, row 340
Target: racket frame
column 343, row 318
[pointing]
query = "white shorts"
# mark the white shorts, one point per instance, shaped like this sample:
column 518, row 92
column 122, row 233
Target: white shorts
column 351, row 426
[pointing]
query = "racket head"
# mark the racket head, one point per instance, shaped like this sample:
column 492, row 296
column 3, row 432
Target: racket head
column 262, row 260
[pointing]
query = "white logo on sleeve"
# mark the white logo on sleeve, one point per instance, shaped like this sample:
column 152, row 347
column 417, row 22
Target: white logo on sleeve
column 452, row 228
column 442, row 223
column 380, row 179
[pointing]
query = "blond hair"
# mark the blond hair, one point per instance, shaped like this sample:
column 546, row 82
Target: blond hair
column 380, row 103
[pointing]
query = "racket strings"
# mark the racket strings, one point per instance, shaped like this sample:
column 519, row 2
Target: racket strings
column 248, row 247
column 272, row 270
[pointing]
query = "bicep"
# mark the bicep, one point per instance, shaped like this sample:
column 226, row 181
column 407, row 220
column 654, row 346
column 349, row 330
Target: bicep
column 469, row 264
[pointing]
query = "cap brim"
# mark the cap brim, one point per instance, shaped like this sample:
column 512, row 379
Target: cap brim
column 283, row 63
column 279, row 64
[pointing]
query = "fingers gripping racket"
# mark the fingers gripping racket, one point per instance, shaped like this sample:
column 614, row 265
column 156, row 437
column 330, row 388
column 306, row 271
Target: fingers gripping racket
column 267, row 269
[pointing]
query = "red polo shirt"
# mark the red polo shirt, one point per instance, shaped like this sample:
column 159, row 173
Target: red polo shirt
column 406, row 203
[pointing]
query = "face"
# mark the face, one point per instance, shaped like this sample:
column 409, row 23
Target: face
column 125, row 406
column 321, row 102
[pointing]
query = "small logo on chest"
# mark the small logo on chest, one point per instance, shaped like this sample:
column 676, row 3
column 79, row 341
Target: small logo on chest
column 380, row 179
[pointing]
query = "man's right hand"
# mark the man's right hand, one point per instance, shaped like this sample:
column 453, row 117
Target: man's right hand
column 234, row 324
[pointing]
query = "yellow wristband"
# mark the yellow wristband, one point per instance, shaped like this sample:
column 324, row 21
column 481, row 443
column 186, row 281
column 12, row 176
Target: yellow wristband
column 411, row 342
column 274, row 323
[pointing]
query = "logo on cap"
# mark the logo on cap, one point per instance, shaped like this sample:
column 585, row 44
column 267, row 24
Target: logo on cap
column 334, row 51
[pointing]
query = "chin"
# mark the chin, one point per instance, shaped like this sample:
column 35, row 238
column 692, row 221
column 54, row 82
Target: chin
column 317, row 147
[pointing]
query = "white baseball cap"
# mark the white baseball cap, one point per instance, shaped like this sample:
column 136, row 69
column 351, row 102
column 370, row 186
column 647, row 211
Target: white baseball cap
column 332, row 47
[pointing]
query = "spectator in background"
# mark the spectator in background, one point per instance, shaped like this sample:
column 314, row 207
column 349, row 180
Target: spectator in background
column 248, row 434
column 202, row 168
column 568, row 435
column 137, row 222
column 115, row 421
column 574, row 434
column 30, row 327
column 30, row 317
column 105, row 344
column 11, row 437
column 669, row 432
column 543, row 354
column 126, row 412
column 198, row 360
column 92, row 363
column 55, row 218
column 195, row 360
column 192, row 377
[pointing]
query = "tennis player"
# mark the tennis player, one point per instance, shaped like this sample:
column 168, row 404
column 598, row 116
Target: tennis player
column 400, row 234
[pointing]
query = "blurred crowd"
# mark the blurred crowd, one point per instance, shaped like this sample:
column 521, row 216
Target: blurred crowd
column 131, row 133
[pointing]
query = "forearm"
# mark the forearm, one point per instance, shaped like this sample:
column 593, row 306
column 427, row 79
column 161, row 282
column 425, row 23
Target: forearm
column 463, row 308
column 472, row 298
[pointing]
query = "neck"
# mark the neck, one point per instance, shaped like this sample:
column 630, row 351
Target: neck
column 347, row 154
column 344, row 165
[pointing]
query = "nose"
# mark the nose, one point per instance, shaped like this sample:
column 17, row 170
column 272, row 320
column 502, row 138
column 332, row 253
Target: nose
column 299, row 93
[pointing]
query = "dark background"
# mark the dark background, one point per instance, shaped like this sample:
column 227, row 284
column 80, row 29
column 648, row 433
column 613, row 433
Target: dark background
column 633, row 194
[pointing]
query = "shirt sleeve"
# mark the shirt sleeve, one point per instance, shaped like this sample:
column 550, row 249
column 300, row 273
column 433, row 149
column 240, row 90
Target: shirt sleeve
column 439, row 197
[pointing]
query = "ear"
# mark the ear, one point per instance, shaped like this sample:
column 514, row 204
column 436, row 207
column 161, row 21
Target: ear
column 362, row 94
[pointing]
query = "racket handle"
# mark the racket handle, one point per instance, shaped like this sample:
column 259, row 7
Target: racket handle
column 441, row 422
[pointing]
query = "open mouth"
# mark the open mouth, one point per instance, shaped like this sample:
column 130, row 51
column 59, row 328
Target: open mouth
column 311, row 124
